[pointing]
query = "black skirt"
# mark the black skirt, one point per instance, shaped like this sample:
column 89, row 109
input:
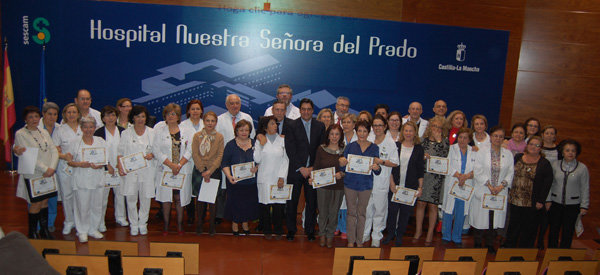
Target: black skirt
column 197, row 180
column 38, row 198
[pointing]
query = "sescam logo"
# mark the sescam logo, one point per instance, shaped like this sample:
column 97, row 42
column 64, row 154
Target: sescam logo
column 461, row 55
column 40, row 34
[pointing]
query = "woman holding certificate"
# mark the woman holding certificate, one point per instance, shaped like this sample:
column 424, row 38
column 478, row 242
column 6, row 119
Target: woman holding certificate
column 90, row 155
column 479, row 124
column 569, row 197
column 526, row 198
column 238, row 166
column 348, row 122
column 494, row 170
column 49, row 117
column 458, row 187
column 207, row 152
column 69, row 129
column 409, row 177
column 137, row 167
column 327, row 173
column 436, row 146
column 172, row 148
column 273, row 163
column 360, row 162
column 38, row 183
column 388, row 158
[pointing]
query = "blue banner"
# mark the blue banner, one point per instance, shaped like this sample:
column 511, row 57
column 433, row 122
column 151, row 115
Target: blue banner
column 156, row 54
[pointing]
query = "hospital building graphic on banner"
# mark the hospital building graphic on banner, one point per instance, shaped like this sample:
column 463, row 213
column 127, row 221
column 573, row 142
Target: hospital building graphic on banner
column 212, row 80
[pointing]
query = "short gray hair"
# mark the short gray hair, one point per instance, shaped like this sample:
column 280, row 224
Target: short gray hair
column 343, row 98
column 50, row 105
column 87, row 119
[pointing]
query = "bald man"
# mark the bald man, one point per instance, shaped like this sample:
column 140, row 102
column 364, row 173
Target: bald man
column 83, row 100
column 440, row 108
column 415, row 110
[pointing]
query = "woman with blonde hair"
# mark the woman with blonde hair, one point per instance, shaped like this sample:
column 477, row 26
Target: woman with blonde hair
column 325, row 116
column 456, row 120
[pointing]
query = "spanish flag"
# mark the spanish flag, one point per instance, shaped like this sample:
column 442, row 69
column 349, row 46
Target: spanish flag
column 9, row 116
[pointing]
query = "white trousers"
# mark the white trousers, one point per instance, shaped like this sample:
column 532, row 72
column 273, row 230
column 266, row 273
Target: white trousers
column 68, row 198
column 119, row 204
column 88, row 210
column 376, row 215
column 138, row 218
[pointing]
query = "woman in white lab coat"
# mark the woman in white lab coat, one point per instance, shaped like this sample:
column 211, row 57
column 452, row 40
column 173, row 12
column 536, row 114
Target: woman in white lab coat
column 172, row 148
column 461, row 160
column 137, row 184
column 194, row 112
column 494, row 170
column 269, row 154
column 69, row 129
column 88, row 181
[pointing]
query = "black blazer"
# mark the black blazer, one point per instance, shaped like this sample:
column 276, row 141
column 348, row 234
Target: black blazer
column 297, row 146
column 101, row 133
column 415, row 169
column 262, row 122
column 544, row 175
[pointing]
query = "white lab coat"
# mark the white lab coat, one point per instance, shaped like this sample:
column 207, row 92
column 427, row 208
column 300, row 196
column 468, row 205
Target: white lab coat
column 86, row 178
column 273, row 164
column 479, row 217
column 162, row 149
column 61, row 137
column 454, row 157
column 485, row 142
column 188, row 124
column 291, row 112
column 143, row 178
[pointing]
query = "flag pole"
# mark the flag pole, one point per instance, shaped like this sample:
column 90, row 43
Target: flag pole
column 12, row 170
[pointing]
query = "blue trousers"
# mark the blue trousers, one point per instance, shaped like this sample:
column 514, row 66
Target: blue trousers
column 341, row 226
column 452, row 224
column 52, row 210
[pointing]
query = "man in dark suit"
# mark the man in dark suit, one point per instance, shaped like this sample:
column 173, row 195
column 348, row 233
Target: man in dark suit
column 301, row 143
column 283, row 123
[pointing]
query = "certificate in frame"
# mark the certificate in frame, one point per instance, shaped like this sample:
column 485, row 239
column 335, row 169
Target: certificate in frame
column 42, row 186
column 282, row 194
column 111, row 180
column 405, row 196
column 172, row 181
column 462, row 192
column 493, row 202
column 94, row 155
column 359, row 164
column 134, row 162
column 437, row 165
column 242, row 171
column 323, row 177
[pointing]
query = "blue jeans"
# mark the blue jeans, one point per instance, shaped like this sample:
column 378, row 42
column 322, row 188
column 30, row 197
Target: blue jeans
column 52, row 208
column 341, row 226
column 453, row 231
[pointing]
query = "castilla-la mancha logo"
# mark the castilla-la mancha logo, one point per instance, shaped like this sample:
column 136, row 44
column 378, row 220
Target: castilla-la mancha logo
column 461, row 52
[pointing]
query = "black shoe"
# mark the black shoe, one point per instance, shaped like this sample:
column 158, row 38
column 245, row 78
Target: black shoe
column 290, row 236
column 236, row 233
column 218, row 220
column 387, row 239
column 33, row 222
column 43, row 218
column 445, row 242
column 247, row 232
column 491, row 249
column 311, row 237
column 477, row 245
column 398, row 242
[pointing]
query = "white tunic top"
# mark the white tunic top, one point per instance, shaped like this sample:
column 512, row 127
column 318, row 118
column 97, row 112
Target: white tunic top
column 273, row 164
column 144, row 178
column 86, row 178
column 454, row 157
column 291, row 112
column 188, row 124
column 387, row 151
column 485, row 142
column 422, row 125
column 163, row 149
column 225, row 125
column 63, row 134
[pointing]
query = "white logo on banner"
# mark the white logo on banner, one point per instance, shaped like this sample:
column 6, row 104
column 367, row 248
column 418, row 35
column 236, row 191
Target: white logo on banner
column 461, row 55
column 461, row 52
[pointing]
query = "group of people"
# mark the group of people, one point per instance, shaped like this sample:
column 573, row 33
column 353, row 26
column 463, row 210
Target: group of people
column 516, row 187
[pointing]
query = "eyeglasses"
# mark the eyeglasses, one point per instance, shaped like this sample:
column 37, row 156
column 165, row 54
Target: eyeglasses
column 378, row 125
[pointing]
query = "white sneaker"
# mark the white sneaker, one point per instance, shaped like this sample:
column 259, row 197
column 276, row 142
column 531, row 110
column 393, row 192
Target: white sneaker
column 102, row 228
column 143, row 230
column 83, row 238
column 96, row 235
column 375, row 243
column 67, row 228
column 122, row 222
column 134, row 231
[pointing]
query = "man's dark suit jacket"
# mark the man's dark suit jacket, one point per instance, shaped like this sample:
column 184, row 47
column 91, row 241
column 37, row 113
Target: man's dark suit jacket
column 299, row 149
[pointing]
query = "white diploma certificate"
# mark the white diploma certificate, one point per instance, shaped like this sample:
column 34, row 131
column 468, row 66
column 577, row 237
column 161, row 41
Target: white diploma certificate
column 284, row 193
column 208, row 191
column 111, row 180
column 96, row 156
column 405, row 196
column 462, row 192
column 172, row 181
column 493, row 202
column 68, row 169
column 27, row 161
column 133, row 162
column 42, row 186
column 359, row 164
column 242, row 171
column 323, row 177
column 437, row 165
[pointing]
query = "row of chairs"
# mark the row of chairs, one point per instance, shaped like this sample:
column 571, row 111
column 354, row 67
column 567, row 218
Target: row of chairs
column 172, row 258
column 462, row 260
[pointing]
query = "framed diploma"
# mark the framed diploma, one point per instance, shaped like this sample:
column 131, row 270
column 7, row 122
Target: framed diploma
column 242, row 171
column 172, row 181
column 462, row 192
column 42, row 186
column 359, row 164
column 96, row 156
column 493, row 202
column 68, row 170
column 405, row 196
column 323, row 177
column 437, row 165
column 111, row 180
column 284, row 193
column 133, row 162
